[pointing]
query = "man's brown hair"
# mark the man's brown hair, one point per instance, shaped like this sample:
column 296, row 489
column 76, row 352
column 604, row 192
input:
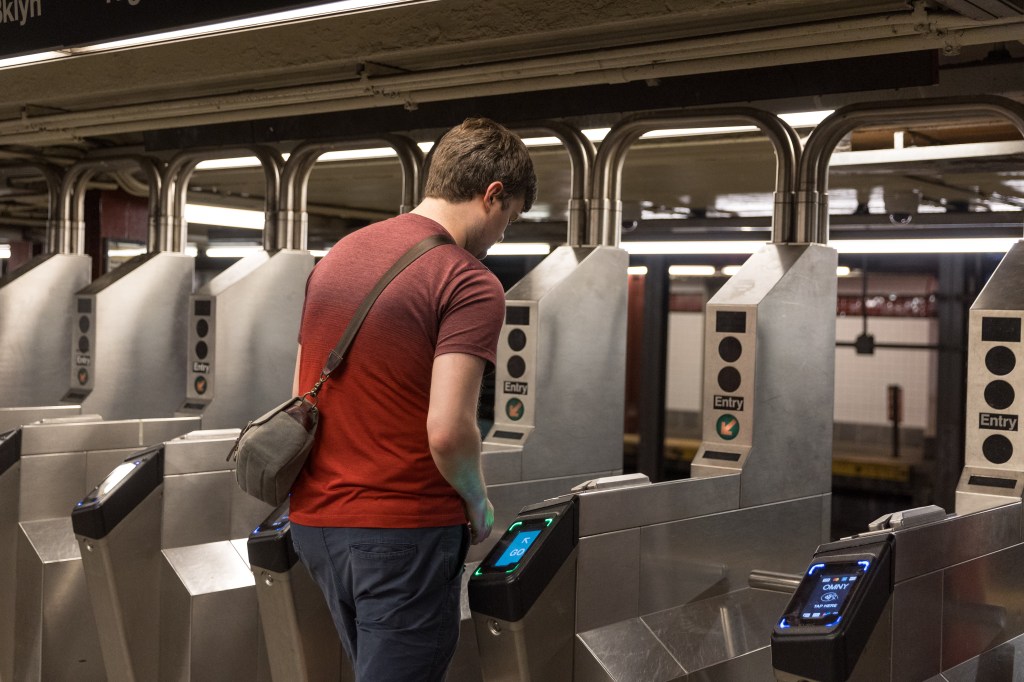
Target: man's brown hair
column 474, row 154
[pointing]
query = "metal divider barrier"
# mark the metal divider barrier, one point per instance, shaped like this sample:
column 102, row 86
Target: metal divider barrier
column 169, row 581
column 52, row 464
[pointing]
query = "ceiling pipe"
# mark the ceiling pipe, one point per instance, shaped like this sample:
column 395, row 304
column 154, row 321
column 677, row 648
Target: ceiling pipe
column 172, row 229
column 293, row 222
column 581, row 162
column 605, row 224
column 71, row 233
column 53, row 176
column 812, row 191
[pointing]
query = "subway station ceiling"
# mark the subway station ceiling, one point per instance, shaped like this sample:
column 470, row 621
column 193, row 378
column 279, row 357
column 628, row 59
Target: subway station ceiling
column 418, row 67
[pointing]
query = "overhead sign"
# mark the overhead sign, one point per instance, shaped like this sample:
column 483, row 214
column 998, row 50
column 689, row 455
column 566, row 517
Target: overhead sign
column 28, row 26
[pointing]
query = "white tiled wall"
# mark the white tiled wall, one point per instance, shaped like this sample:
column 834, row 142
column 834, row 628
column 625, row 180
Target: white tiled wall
column 861, row 380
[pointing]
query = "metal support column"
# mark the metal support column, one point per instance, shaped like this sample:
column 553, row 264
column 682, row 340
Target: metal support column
column 650, row 457
column 953, row 296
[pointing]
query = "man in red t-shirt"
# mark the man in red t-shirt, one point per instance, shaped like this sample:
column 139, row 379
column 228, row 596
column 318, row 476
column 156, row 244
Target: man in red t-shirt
column 393, row 492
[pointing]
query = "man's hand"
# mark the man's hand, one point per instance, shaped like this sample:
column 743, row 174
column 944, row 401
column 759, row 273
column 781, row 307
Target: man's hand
column 481, row 521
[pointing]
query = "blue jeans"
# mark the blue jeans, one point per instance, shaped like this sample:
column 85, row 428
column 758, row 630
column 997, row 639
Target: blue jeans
column 393, row 594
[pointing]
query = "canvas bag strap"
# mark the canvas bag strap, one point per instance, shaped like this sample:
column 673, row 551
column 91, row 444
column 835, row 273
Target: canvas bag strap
column 338, row 354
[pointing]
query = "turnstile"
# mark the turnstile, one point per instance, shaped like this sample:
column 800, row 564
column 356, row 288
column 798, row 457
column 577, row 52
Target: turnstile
column 955, row 603
column 128, row 344
column 559, row 380
column 302, row 642
column 46, row 632
column 163, row 547
column 242, row 338
column 37, row 311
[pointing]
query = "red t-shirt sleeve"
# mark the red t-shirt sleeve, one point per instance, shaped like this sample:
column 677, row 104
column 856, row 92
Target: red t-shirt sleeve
column 471, row 315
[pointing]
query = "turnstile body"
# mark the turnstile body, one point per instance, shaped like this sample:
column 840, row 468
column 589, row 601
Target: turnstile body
column 163, row 547
column 242, row 338
column 128, row 340
column 656, row 585
column 559, row 380
column 37, row 311
column 43, row 601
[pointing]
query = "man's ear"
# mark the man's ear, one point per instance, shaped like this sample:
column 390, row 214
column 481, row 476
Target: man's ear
column 494, row 193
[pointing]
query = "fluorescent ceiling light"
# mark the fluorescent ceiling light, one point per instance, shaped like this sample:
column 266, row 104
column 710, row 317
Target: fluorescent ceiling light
column 318, row 253
column 318, row 11
column 190, row 250
column 800, row 119
column 30, row 59
column 691, row 270
column 686, row 247
column 232, row 251
column 976, row 245
column 225, row 217
column 5, row 250
column 730, row 270
column 639, row 270
column 524, row 249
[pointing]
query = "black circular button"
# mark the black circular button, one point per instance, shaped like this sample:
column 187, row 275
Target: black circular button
column 517, row 339
column 202, row 328
column 202, row 350
column 999, row 394
column 83, row 344
column 729, row 379
column 997, row 449
column 516, row 366
column 730, row 349
column 83, row 324
column 1000, row 360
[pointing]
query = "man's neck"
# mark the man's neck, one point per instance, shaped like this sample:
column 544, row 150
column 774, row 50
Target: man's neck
column 454, row 218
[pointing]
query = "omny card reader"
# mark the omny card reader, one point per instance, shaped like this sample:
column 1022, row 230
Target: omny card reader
column 522, row 596
column 834, row 610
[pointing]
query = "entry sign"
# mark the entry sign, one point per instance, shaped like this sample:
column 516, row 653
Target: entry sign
column 727, row 427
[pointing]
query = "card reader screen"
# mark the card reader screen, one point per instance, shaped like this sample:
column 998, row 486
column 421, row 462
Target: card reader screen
column 516, row 549
column 827, row 589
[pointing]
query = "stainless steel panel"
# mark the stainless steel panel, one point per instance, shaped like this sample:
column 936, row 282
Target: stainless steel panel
column 574, row 359
column 205, row 450
column 164, row 429
column 246, row 512
column 122, row 574
column 626, row 651
column 136, row 362
column 788, row 293
column 917, row 645
column 754, row 666
column 209, row 614
column 1005, row 663
column 501, row 463
column 9, row 487
column 714, row 554
column 957, row 539
column 983, row 605
column 37, row 311
column 608, row 579
column 603, row 511
column 705, row 633
column 13, row 417
column 251, row 341
column 77, row 437
column 50, row 485
column 197, row 508
column 509, row 498
column 55, row 634
column 306, row 649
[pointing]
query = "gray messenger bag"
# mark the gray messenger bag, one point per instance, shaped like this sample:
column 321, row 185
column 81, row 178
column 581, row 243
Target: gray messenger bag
column 271, row 450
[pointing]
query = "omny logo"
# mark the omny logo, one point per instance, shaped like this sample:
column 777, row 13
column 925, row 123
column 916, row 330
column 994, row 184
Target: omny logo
column 728, row 402
column 997, row 422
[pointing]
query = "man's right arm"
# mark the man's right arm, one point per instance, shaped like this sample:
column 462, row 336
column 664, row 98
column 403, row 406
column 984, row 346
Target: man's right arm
column 454, row 437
